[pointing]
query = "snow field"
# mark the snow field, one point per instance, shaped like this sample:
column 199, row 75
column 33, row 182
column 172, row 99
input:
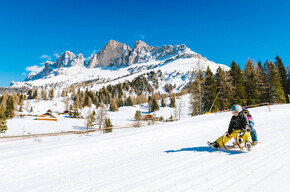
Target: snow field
column 165, row 157
column 124, row 117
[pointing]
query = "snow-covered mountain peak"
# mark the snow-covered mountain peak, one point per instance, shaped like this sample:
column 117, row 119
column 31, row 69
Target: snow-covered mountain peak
column 117, row 61
column 78, row 61
column 64, row 59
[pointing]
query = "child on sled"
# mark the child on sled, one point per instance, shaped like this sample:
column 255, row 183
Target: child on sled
column 251, row 123
column 239, row 125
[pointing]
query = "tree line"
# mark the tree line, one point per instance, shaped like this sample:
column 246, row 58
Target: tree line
column 257, row 83
column 9, row 104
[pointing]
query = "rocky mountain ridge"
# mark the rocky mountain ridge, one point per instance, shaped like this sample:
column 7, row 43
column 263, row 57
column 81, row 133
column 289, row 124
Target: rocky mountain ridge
column 116, row 63
column 115, row 54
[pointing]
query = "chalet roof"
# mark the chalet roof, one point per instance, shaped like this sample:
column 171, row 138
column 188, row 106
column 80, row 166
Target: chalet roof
column 148, row 115
column 47, row 115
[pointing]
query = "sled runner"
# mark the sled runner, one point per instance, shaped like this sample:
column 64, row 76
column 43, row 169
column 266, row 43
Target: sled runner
column 238, row 141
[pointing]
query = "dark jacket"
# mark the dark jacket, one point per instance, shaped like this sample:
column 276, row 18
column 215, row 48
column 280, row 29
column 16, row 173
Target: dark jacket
column 239, row 122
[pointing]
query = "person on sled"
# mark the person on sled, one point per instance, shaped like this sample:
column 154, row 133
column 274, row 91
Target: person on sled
column 238, row 126
column 251, row 124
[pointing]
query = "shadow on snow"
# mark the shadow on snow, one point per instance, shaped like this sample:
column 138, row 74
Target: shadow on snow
column 207, row 149
column 82, row 128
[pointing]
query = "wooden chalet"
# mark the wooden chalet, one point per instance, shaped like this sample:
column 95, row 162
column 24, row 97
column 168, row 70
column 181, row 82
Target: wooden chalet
column 47, row 117
column 149, row 117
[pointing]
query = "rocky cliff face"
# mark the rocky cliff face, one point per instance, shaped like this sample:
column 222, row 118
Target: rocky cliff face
column 113, row 54
column 116, row 54
column 141, row 52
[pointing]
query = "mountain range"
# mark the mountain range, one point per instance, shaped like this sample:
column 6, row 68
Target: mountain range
column 117, row 61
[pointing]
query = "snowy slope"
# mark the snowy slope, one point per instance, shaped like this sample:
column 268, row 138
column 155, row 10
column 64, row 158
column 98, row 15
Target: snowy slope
column 101, row 75
column 166, row 157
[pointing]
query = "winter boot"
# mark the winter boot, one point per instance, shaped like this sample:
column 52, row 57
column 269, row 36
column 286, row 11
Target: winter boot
column 214, row 145
column 248, row 145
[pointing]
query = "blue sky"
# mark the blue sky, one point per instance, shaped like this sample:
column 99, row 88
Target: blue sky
column 32, row 32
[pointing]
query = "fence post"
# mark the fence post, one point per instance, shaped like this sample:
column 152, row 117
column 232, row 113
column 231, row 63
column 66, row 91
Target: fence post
column 269, row 107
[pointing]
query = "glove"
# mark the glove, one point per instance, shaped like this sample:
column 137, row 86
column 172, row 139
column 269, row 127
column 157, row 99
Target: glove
column 248, row 128
column 241, row 134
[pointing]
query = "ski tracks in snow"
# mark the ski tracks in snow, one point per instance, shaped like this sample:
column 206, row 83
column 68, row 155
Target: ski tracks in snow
column 172, row 157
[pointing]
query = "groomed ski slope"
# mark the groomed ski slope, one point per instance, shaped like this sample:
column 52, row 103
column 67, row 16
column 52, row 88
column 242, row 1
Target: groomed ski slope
column 167, row 157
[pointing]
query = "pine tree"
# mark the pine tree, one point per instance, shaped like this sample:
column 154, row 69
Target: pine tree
column 29, row 94
column 9, row 112
column 20, row 108
column 108, row 122
column 35, row 94
column 81, row 96
column 155, row 105
column 120, row 102
column 210, row 92
column 87, row 101
column 113, row 105
column 224, row 85
column 239, row 89
column 288, row 85
column 275, row 92
column 21, row 99
column 163, row 102
column 77, row 103
column 3, row 122
column 251, row 84
column 129, row 101
column 91, row 120
column 108, row 126
column 44, row 94
column 172, row 102
column 63, row 93
column 15, row 99
column 138, row 117
column 51, row 94
column 74, row 114
column 262, row 84
column 3, row 100
column 282, row 73
column 90, row 102
column 197, row 93
column 141, row 99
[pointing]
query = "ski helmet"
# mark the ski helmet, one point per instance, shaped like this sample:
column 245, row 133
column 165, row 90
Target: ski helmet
column 236, row 108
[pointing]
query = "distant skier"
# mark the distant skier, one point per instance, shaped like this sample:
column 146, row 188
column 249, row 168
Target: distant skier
column 238, row 125
column 251, row 124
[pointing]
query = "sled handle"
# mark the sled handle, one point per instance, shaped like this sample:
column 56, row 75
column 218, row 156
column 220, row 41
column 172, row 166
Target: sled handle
column 228, row 147
column 239, row 144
